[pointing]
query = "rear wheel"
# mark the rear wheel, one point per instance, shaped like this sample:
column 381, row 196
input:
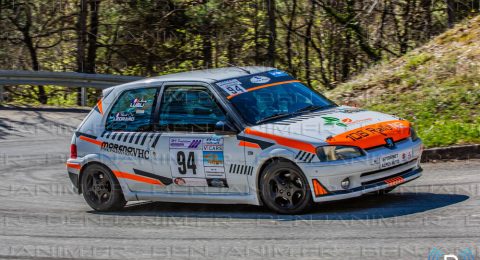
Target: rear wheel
column 284, row 189
column 101, row 189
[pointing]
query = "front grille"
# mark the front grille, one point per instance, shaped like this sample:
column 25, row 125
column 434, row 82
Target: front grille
column 387, row 177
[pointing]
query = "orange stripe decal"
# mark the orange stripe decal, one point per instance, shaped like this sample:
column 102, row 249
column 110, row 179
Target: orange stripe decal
column 318, row 188
column 265, row 86
column 125, row 175
column 307, row 147
column 373, row 135
column 248, row 144
column 90, row 140
column 74, row 166
column 99, row 106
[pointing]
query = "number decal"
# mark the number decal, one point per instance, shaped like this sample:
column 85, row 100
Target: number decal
column 186, row 164
column 181, row 161
column 232, row 86
column 191, row 162
column 235, row 90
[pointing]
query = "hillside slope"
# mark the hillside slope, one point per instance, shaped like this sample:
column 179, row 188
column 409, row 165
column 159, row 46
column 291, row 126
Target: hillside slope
column 436, row 86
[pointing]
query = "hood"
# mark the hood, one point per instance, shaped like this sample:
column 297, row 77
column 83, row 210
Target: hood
column 342, row 126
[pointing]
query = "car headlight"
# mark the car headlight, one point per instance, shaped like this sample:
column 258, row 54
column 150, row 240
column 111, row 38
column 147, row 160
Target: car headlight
column 413, row 134
column 334, row 153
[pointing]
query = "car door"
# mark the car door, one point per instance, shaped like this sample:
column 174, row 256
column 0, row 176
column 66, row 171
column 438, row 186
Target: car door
column 129, row 136
column 196, row 158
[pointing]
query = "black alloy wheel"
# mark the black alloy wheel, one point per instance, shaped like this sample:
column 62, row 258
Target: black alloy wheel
column 285, row 189
column 101, row 189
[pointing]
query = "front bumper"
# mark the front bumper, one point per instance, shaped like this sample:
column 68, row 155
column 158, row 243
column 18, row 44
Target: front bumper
column 365, row 174
column 391, row 181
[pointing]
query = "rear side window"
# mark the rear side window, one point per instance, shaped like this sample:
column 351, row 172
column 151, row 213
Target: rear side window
column 132, row 111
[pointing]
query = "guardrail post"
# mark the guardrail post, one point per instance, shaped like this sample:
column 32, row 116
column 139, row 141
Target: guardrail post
column 84, row 97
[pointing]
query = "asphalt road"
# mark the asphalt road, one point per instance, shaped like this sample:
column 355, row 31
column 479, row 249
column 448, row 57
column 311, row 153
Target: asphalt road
column 40, row 217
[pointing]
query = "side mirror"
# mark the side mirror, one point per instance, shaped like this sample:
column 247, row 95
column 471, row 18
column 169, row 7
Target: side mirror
column 225, row 128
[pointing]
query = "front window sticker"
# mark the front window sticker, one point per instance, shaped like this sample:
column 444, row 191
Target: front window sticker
column 259, row 79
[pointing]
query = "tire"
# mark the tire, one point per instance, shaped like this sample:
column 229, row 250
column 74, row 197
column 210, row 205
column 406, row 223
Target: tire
column 101, row 189
column 284, row 188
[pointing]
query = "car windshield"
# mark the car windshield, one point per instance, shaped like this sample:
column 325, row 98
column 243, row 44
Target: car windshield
column 278, row 101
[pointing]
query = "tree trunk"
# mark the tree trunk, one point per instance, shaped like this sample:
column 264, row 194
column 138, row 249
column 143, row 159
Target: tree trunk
column 92, row 41
column 451, row 12
column 27, row 39
column 308, row 38
column 81, row 42
column 207, row 50
column 272, row 28
column 346, row 57
column 92, row 36
column 427, row 18
column 42, row 96
column 288, row 39
column 256, row 34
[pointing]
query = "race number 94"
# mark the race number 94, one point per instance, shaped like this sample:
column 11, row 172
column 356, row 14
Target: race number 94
column 186, row 162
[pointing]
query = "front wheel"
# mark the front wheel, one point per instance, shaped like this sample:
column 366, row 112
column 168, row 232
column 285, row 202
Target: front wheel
column 284, row 189
column 101, row 189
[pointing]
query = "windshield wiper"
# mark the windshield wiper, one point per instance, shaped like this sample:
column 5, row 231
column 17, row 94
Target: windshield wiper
column 312, row 108
column 272, row 117
column 308, row 108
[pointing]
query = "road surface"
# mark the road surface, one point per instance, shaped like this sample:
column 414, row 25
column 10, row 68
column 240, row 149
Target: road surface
column 41, row 218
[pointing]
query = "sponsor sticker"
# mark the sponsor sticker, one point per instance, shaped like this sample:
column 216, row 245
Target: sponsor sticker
column 191, row 182
column 232, row 86
column 344, row 121
column 211, row 158
column 213, row 144
column 185, row 143
column 278, row 73
column 213, row 147
column 137, row 103
column 217, row 182
column 259, row 79
column 395, row 159
column 214, row 140
column 214, row 169
column 125, row 150
column 124, row 116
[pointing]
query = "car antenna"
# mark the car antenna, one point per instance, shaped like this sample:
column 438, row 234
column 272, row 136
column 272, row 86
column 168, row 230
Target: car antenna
column 240, row 68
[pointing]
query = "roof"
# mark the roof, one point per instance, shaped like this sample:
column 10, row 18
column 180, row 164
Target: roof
column 207, row 75
column 212, row 75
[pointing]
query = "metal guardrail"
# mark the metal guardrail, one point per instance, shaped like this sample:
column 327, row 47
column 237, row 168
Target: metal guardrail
column 64, row 79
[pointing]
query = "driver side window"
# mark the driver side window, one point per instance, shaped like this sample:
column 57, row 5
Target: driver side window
column 189, row 109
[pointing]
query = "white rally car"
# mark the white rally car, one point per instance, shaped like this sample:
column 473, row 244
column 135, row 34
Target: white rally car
column 250, row 135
